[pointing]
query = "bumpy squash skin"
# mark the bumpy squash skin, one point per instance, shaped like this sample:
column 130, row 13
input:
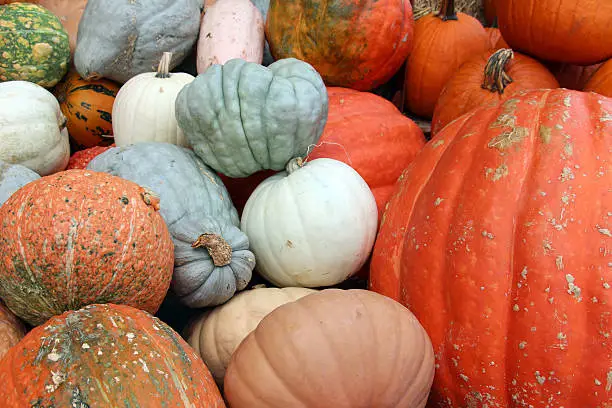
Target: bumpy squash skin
column 79, row 237
column 87, row 106
column 193, row 201
column 238, row 132
column 356, row 44
column 105, row 356
column 119, row 39
column 502, row 226
column 40, row 55
column 12, row 178
column 80, row 159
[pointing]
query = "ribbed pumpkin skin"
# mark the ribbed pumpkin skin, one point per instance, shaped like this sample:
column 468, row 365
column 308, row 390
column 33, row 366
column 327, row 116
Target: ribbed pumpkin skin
column 356, row 44
column 502, row 225
column 463, row 91
column 440, row 47
column 79, row 237
column 11, row 330
column 80, row 159
column 44, row 47
column 88, row 107
column 572, row 76
column 105, row 356
column 572, row 31
column 368, row 133
column 601, row 81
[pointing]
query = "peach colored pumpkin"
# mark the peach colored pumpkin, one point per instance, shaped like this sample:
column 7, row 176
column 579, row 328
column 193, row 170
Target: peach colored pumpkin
column 335, row 348
column 217, row 333
column 230, row 29
column 11, row 330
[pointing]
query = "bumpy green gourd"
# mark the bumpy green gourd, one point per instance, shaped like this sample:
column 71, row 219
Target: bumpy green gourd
column 242, row 117
column 34, row 46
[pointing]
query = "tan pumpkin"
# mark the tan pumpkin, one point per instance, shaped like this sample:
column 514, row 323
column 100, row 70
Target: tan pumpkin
column 11, row 330
column 334, row 348
column 217, row 333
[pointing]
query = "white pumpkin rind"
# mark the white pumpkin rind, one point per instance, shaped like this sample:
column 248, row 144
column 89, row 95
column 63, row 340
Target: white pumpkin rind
column 32, row 128
column 217, row 333
column 314, row 227
column 230, row 29
column 144, row 108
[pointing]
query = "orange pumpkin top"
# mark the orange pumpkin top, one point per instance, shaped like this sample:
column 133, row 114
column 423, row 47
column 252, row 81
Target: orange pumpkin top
column 105, row 356
column 498, row 239
column 442, row 43
column 488, row 79
column 601, row 81
column 79, row 237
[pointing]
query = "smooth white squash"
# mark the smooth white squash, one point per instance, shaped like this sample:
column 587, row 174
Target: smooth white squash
column 230, row 29
column 143, row 110
column 32, row 128
column 313, row 225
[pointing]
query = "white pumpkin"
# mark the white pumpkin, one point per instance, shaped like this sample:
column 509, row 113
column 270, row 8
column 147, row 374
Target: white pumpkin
column 313, row 225
column 217, row 333
column 32, row 128
column 230, row 29
column 143, row 110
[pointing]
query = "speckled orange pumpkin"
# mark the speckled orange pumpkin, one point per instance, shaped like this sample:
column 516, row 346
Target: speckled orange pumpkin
column 79, row 237
column 80, row 159
column 88, row 107
column 105, row 356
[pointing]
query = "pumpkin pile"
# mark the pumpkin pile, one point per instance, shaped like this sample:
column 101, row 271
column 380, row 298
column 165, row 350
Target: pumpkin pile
column 280, row 203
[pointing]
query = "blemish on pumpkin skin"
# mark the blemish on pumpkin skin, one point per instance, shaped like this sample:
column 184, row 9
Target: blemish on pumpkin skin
column 545, row 134
column 572, row 288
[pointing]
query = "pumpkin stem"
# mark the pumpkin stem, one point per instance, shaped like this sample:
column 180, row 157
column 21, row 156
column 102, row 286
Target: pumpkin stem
column 163, row 69
column 150, row 198
column 294, row 164
column 218, row 248
column 496, row 79
column 447, row 11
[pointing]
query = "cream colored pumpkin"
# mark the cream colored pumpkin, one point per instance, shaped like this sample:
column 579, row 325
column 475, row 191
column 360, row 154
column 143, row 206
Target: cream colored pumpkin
column 143, row 110
column 230, row 29
column 32, row 128
column 311, row 226
column 217, row 333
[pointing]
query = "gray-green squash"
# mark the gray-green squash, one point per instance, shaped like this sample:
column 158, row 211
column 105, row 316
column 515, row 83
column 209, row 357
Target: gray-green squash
column 242, row 117
column 119, row 39
column 212, row 259
column 13, row 177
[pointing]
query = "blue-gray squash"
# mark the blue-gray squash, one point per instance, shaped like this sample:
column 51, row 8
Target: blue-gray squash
column 13, row 177
column 242, row 117
column 212, row 259
column 119, row 39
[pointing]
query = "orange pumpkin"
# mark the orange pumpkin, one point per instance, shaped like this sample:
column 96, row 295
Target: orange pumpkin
column 80, row 159
column 488, row 79
column 357, row 44
column 498, row 239
column 601, row 81
column 494, row 37
column 572, row 31
column 368, row 133
column 490, row 11
column 572, row 76
column 105, row 356
column 442, row 43
column 83, row 237
column 87, row 106
column 11, row 330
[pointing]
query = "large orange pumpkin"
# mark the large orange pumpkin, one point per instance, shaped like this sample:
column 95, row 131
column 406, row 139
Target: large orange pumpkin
column 87, row 106
column 572, row 31
column 105, row 356
column 11, row 330
column 368, row 133
column 442, row 43
column 572, row 76
column 488, row 79
column 601, row 81
column 79, row 237
column 498, row 239
column 357, row 44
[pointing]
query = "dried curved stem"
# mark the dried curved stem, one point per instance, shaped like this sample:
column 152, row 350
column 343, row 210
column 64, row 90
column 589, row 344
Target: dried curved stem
column 163, row 69
column 496, row 79
column 218, row 248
